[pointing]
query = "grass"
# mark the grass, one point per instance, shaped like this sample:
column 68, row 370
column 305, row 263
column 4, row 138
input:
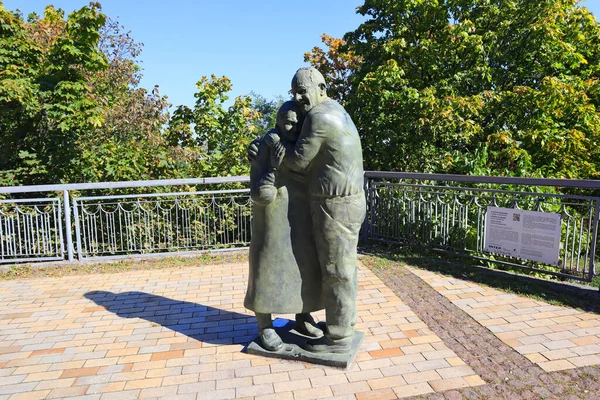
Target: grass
column 29, row 271
column 553, row 292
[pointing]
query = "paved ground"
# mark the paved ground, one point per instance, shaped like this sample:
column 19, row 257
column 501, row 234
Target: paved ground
column 180, row 333
column 508, row 374
column 555, row 338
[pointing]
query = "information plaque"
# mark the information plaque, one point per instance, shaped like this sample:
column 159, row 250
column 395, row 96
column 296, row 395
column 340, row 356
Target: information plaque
column 532, row 235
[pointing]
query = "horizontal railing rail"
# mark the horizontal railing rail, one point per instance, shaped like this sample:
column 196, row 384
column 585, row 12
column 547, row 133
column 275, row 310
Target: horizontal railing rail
column 121, row 185
column 501, row 180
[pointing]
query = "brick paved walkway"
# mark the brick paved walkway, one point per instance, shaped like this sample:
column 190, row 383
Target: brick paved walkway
column 508, row 374
column 555, row 338
column 179, row 333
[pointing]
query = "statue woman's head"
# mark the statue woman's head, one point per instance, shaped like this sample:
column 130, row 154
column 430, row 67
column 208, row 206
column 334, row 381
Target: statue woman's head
column 288, row 123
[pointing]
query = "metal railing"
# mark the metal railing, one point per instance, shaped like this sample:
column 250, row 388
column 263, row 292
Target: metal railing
column 441, row 212
column 109, row 226
column 31, row 230
column 447, row 213
column 123, row 225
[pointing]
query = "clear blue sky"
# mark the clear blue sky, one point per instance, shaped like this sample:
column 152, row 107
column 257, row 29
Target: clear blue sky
column 257, row 44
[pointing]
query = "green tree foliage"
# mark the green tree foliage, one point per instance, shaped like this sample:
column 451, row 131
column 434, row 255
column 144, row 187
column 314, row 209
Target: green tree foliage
column 45, row 102
column 500, row 87
column 267, row 109
column 71, row 108
column 336, row 64
column 130, row 143
column 215, row 136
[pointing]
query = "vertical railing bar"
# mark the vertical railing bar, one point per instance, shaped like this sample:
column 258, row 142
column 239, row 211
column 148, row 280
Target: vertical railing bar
column 131, row 237
column 109, row 231
column 566, row 243
column 77, row 229
column 92, row 223
column 86, row 232
column 37, row 231
column 46, row 230
column 101, row 247
column 168, row 230
column 177, row 240
column 133, row 233
column 150, row 225
column 587, row 243
column 226, row 232
column 139, row 224
column 20, row 242
column 9, row 236
column 194, row 223
column 60, row 227
column 573, row 243
column 13, row 235
column 579, row 243
column 113, row 218
column 372, row 199
column 480, row 227
column 54, row 212
column 18, row 246
column 185, row 234
column 592, row 270
column 213, row 219
column 42, row 218
column 32, row 234
column 49, row 230
column 40, row 232
column 120, row 210
column 86, row 240
column 223, row 222
column 23, row 234
column 208, row 241
column 68, row 225
column 97, row 232
column 365, row 224
column 1, row 237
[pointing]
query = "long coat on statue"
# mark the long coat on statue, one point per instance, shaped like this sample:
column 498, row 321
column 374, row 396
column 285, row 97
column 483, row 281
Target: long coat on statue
column 285, row 274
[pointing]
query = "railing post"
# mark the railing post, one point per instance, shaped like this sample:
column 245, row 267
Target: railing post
column 68, row 225
column 365, row 225
column 594, row 240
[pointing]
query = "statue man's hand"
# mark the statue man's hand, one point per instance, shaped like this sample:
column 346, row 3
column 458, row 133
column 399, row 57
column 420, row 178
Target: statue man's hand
column 253, row 150
column 277, row 155
column 271, row 138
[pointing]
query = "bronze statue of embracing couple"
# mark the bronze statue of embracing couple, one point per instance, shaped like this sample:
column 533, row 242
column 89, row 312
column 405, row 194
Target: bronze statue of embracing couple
column 307, row 188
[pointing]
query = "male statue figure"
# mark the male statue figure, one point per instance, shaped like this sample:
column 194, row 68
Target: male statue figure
column 328, row 150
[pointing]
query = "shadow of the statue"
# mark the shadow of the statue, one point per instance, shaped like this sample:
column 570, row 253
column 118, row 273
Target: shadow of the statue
column 203, row 323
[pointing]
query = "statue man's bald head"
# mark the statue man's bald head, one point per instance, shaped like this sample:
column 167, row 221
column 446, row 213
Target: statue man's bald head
column 308, row 88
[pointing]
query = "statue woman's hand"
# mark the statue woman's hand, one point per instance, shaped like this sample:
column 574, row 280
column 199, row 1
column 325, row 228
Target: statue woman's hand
column 271, row 138
column 253, row 150
column 277, row 155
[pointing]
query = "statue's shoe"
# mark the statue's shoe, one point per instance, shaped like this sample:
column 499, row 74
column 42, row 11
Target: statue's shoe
column 270, row 339
column 306, row 325
column 325, row 345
